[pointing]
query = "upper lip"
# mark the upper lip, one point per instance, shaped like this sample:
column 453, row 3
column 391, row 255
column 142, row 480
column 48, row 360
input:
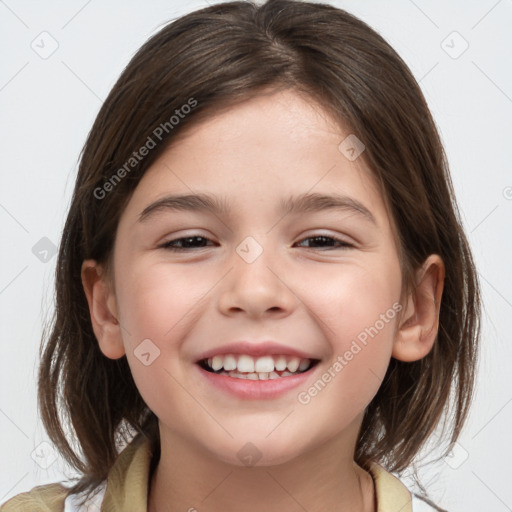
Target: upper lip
column 255, row 349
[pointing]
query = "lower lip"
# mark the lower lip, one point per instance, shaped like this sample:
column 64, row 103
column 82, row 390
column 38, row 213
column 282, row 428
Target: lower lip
column 256, row 389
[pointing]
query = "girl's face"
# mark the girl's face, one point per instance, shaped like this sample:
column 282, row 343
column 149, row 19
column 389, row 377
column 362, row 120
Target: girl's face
column 324, row 281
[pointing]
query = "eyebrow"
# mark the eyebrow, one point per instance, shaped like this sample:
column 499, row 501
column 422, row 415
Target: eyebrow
column 303, row 203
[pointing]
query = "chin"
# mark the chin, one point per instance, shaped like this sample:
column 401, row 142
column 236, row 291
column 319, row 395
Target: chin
column 256, row 452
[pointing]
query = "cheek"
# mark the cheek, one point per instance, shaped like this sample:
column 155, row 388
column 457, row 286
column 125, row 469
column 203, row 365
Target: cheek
column 354, row 296
column 153, row 298
column 358, row 309
column 157, row 305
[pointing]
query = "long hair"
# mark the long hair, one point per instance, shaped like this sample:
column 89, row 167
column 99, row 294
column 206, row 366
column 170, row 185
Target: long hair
column 212, row 59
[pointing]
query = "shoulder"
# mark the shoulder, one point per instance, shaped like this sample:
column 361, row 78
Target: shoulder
column 391, row 493
column 55, row 498
column 43, row 498
column 127, row 477
column 86, row 502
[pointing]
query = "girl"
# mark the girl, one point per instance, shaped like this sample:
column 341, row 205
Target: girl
column 265, row 297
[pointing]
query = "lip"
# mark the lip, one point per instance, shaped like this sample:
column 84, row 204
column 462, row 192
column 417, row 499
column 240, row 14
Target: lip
column 256, row 349
column 256, row 389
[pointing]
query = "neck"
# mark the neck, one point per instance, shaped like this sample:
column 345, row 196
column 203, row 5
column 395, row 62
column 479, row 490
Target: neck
column 190, row 479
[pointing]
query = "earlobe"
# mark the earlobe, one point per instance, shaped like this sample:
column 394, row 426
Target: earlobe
column 102, row 308
column 418, row 331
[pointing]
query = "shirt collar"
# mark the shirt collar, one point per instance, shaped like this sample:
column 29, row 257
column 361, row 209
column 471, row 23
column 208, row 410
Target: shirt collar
column 391, row 493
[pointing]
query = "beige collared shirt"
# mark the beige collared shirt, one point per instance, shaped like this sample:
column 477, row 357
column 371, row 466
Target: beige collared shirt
column 126, row 489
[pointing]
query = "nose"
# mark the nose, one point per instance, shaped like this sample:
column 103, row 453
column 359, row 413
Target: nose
column 257, row 284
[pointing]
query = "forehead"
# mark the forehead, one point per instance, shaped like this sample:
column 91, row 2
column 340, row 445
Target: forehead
column 259, row 154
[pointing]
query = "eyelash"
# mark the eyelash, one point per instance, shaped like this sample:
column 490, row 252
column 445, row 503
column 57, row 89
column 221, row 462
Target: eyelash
column 169, row 247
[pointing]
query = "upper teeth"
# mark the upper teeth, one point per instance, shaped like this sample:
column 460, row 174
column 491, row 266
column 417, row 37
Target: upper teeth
column 246, row 363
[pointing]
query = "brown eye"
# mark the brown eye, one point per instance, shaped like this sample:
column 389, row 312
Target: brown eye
column 327, row 242
column 185, row 243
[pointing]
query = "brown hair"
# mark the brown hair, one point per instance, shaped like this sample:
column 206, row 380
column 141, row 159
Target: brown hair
column 217, row 57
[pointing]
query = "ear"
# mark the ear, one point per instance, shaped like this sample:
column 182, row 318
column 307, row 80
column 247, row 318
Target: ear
column 103, row 310
column 419, row 325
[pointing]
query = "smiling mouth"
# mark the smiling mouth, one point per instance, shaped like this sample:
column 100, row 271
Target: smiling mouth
column 258, row 375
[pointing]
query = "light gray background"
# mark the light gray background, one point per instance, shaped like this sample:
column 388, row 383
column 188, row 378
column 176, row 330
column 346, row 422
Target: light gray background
column 48, row 105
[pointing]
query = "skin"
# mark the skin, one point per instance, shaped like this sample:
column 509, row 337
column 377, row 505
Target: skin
column 299, row 292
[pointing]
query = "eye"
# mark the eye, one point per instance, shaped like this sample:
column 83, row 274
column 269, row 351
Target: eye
column 185, row 243
column 328, row 239
column 196, row 241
